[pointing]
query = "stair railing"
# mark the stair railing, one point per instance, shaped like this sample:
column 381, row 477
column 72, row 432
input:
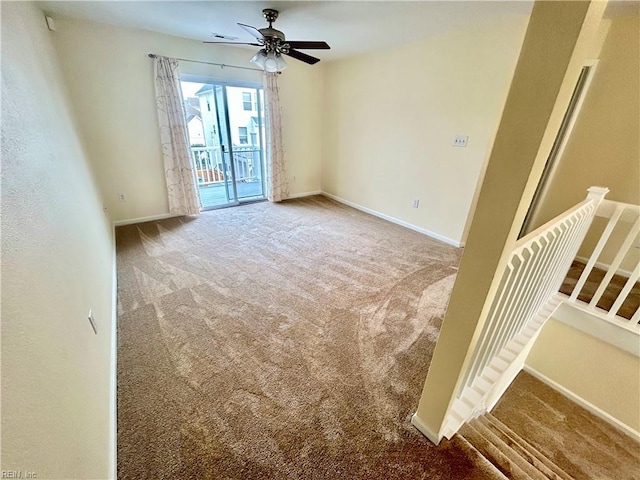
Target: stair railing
column 618, row 214
column 525, row 299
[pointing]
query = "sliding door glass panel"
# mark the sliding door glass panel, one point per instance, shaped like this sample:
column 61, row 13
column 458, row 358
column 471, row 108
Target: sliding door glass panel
column 225, row 144
column 206, row 143
column 226, row 134
column 245, row 124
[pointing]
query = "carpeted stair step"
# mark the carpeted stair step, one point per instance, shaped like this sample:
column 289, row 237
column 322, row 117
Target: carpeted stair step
column 507, row 461
column 483, row 464
column 511, row 454
column 525, row 449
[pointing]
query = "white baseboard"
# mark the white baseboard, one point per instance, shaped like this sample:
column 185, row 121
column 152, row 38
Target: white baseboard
column 423, row 429
column 397, row 221
column 113, row 406
column 590, row 407
column 151, row 218
column 304, row 194
column 162, row 216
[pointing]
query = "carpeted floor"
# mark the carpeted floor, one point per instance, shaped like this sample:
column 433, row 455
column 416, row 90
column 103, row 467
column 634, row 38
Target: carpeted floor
column 285, row 341
column 579, row 443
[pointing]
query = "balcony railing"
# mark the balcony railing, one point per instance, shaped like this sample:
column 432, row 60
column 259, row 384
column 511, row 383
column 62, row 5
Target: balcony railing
column 211, row 169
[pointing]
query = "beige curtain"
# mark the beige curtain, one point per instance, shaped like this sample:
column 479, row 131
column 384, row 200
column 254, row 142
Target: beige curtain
column 182, row 189
column 277, row 186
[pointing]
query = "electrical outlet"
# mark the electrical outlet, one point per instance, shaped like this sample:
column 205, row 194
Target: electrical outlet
column 460, row 141
column 122, row 197
column 415, row 203
column 92, row 321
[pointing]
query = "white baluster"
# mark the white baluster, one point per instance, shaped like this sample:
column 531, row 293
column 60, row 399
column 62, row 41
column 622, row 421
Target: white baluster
column 597, row 251
column 613, row 268
column 622, row 296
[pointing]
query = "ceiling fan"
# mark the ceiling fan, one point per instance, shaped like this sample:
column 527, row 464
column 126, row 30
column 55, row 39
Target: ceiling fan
column 274, row 45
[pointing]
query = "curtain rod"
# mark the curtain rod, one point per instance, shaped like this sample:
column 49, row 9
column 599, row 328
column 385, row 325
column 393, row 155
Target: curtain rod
column 221, row 65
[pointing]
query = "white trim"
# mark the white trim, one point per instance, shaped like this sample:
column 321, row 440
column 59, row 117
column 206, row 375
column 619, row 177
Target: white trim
column 603, row 266
column 162, row 216
column 113, row 406
column 423, row 429
column 597, row 411
column 615, row 332
column 397, row 221
column 512, row 371
column 151, row 218
column 304, row 194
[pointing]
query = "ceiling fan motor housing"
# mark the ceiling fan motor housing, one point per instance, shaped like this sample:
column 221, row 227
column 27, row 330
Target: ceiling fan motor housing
column 274, row 40
column 272, row 33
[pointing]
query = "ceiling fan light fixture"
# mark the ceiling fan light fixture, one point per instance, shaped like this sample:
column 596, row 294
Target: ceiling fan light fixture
column 259, row 58
column 274, row 62
column 270, row 62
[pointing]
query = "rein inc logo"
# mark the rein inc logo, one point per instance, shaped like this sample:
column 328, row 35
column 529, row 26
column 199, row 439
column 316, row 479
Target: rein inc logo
column 17, row 474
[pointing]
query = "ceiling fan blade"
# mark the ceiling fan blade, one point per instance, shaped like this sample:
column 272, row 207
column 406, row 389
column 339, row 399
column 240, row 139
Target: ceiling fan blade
column 237, row 43
column 304, row 45
column 303, row 57
column 253, row 31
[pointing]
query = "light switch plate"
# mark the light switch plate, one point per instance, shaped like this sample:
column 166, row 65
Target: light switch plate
column 460, row 140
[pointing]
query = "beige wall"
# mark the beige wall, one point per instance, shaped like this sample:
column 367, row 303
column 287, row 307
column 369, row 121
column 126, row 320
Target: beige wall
column 603, row 149
column 604, row 146
column 111, row 83
column 602, row 374
column 301, row 88
column 57, row 262
column 391, row 117
column 558, row 38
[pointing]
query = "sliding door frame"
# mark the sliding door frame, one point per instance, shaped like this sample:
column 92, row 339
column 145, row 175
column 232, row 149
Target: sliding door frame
column 258, row 87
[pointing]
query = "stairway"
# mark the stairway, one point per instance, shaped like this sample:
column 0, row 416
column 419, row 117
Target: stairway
column 511, row 454
column 534, row 432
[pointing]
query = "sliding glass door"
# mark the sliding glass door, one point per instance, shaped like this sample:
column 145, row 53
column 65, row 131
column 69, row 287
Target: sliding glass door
column 225, row 125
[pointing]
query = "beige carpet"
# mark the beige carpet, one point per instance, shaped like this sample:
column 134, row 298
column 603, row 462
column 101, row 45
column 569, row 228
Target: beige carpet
column 284, row 341
column 576, row 441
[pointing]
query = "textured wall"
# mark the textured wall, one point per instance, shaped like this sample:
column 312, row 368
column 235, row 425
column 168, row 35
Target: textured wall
column 57, row 262
column 392, row 115
column 604, row 147
column 602, row 374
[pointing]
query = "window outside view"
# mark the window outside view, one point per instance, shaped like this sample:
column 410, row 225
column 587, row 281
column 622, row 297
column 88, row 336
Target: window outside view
column 225, row 123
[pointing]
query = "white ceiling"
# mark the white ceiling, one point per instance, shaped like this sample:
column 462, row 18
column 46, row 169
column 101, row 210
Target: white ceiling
column 350, row 27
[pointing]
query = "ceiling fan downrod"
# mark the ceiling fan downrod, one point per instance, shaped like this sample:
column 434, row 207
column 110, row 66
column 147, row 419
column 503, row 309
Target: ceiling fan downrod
column 270, row 15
